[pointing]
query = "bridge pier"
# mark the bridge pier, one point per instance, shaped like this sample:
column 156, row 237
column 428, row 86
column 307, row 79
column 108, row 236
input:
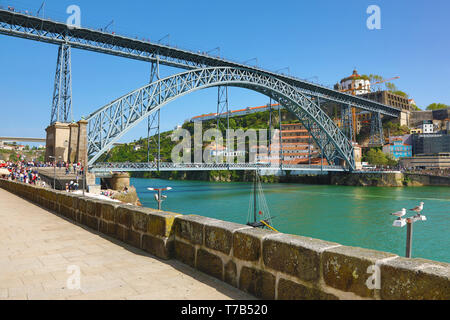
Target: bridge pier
column 119, row 181
column 67, row 142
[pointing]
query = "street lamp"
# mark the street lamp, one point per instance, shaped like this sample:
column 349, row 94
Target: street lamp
column 54, row 171
column 409, row 222
column 158, row 196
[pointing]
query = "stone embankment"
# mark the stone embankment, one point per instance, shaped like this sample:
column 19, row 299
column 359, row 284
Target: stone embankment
column 266, row 264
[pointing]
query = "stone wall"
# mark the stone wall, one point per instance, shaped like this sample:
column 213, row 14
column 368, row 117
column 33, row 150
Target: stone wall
column 414, row 179
column 367, row 179
column 266, row 264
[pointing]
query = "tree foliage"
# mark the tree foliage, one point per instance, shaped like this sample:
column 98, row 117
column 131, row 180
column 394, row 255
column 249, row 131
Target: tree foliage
column 377, row 157
column 437, row 106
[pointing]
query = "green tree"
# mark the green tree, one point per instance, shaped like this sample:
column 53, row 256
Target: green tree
column 437, row 106
column 377, row 157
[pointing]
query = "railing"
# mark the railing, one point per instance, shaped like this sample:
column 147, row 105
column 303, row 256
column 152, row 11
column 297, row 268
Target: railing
column 166, row 166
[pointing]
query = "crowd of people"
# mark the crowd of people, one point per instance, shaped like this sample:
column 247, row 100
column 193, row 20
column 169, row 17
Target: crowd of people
column 22, row 171
column 27, row 172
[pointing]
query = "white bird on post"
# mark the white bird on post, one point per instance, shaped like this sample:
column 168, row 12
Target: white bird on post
column 418, row 209
column 399, row 214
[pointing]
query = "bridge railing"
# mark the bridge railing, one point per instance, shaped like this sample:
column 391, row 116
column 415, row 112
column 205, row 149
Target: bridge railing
column 166, row 166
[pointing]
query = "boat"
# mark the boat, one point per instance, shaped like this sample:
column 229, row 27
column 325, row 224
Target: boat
column 258, row 211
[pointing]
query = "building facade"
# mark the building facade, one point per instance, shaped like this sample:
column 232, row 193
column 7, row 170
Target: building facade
column 398, row 149
column 431, row 144
column 427, row 161
column 394, row 100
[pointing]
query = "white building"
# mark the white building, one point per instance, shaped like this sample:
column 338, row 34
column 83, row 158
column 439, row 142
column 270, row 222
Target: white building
column 355, row 84
column 427, row 127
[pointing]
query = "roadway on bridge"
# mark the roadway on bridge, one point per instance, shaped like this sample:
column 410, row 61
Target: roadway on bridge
column 36, row 248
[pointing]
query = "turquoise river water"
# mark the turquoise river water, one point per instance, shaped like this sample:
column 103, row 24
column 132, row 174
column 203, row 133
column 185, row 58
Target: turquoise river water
column 352, row 216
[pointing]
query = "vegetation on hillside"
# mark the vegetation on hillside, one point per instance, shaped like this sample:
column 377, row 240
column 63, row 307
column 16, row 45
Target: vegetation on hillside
column 437, row 106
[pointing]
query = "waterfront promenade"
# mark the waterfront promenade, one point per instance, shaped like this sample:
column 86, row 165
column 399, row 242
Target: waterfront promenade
column 37, row 247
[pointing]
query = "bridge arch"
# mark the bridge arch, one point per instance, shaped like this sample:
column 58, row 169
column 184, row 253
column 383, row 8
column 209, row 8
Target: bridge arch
column 108, row 124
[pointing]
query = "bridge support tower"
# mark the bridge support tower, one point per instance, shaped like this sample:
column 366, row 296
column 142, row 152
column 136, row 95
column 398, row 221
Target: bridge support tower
column 67, row 142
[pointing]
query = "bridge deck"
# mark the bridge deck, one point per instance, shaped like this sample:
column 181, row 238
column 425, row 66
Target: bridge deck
column 106, row 168
column 34, row 28
column 36, row 247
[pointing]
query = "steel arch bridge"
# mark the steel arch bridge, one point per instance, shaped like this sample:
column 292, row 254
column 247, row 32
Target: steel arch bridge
column 111, row 122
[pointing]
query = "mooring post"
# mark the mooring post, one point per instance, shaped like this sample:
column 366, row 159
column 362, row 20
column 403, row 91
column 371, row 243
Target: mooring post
column 409, row 235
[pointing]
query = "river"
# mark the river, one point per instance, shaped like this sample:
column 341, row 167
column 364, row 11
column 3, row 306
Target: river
column 352, row 216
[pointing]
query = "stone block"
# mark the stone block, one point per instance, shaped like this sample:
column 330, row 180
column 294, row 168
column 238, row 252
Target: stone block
column 92, row 208
column 230, row 274
column 247, row 243
column 121, row 232
column 219, row 235
column 124, row 216
column 210, row 264
column 108, row 211
column 190, row 228
column 161, row 223
column 294, row 255
column 92, row 222
column 140, row 219
column 82, row 205
column 159, row 247
column 134, row 238
column 184, row 253
column 257, row 282
column 415, row 279
column 289, row 290
column 347, row 269
column 108, row 228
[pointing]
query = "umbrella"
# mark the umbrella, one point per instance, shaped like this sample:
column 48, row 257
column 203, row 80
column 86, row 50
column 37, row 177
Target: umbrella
column 4, row 172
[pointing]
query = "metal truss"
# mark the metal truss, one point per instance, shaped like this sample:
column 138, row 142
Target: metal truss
column 62, row 92
column 376, row 131
column 222, row 107
column 347, row 122
column 107, row 168
column 112, row 121
column 154, row 124
column 35, row 28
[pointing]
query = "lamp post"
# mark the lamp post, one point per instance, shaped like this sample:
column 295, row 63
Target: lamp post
column 159, row 197
column 54, row 171
column 409, row 222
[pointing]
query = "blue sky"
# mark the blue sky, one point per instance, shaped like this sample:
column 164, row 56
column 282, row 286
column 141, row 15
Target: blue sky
column 323, row 40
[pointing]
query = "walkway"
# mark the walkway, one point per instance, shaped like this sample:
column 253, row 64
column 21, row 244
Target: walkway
column 37, row 247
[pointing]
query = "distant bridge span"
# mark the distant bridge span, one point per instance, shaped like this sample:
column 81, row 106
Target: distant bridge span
column 106, row 169
column 18, row 139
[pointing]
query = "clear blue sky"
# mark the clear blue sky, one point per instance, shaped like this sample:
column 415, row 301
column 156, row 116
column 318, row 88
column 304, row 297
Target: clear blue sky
column 326, row 39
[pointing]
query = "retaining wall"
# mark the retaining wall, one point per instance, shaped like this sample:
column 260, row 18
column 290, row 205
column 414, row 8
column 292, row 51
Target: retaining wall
column 266, row 264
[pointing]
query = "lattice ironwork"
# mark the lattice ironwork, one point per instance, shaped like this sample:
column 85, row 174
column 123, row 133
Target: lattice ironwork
column 111, row 122
column 35, row 28
column 62, row 92
column 376, row 131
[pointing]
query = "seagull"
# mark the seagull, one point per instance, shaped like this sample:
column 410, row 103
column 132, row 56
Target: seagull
column 399, row 214
column 418, row 209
